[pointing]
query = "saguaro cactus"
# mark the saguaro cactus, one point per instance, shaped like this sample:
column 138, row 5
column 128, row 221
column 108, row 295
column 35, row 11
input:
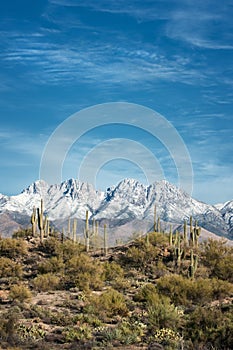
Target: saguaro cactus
column 170, row 236
column 96, row 228
column 87, row 233
column 68, row 229
column 62, row 235
column 185, row 233
column 74, row 230
column 147, row 239
column 158, row 225
column 178, row 251
column 42, row 222
column 191, row 233
column 34, row 222
column 105, row 240
column 155, row 221
column 193, row 264
column 196, row 234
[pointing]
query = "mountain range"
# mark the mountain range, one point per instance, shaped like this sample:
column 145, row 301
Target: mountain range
column 126, row 207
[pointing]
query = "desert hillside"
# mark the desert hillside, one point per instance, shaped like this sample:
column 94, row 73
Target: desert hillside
column 162, row 291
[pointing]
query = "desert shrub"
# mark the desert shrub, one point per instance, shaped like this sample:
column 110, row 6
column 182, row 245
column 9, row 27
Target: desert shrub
column 125, row 332
column 161, row 312
column 9, row 268
column 22, row 233
column 159, row 269
column 20, row 292
column 218, row 257
column 184, row 291
column 158, row 239
column 71, row 250
column 90, row 319
column 145, row 293
column 82, row 332
column 53, row 265
column 224, row 268
column 221, row 289
column 52, row 246
column 210, row 327
column 30, row 332
column 12, row 247
column 140, row 257
column 112, row 271
column 113, row 274
column 175, row 286
column 8, row 324
column 109, row 304
column 46, row 282
column 83, row 273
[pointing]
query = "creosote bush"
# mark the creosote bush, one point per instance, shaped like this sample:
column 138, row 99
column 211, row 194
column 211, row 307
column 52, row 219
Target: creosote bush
column 9, row 268
column 184, row 291
column 161, row 312
column 53, row 265
column 109, row 304
column 218, row 257
column 46, row 282
column 81, row 271
column 210, row 325
column 12, row 247
column 20, row 292
column 140, row 257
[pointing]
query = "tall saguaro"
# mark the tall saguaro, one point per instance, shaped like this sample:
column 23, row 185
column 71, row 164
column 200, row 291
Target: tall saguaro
column 42, row 222
column 34, row 222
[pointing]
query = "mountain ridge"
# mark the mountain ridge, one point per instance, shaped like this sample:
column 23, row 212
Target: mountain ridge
column 127, row 201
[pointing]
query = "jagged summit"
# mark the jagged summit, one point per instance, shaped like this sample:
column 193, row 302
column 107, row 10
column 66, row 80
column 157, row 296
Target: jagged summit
column 125, row 202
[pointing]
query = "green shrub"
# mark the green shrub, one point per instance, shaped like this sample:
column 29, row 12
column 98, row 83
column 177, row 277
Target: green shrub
column 112, row 271
column 145, row 293
column 52, row 246
column 210, row 327
column 161, row 312
column 22, row 233
column 113, row 274
column 158, row 239
column 20, row 293
column 9, row 268
column 184, row 291
column 140, row 257
column 83, row 273
column 53, row 265
column 218, row 257
column 175, row 286
column 46, row 282
column 30, row 332
column 12, row 247
column 71, row 250
column 109, row 304
column 8, row 324
column 126, row 332
column 83, row 332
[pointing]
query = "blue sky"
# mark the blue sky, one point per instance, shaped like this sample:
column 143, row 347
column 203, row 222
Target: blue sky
column 60, row 56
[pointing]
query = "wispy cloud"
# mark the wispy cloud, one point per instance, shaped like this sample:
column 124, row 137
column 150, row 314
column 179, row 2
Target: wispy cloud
column 146, row 11
column 21, row 143
column 88, row 62
column 206, row 25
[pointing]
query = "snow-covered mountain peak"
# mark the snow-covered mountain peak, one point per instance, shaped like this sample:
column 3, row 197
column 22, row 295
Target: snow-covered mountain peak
column 129, row 200
column 37, row 187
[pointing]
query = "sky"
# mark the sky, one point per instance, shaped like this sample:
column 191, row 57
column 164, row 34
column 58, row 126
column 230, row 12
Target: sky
column 58, row 57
